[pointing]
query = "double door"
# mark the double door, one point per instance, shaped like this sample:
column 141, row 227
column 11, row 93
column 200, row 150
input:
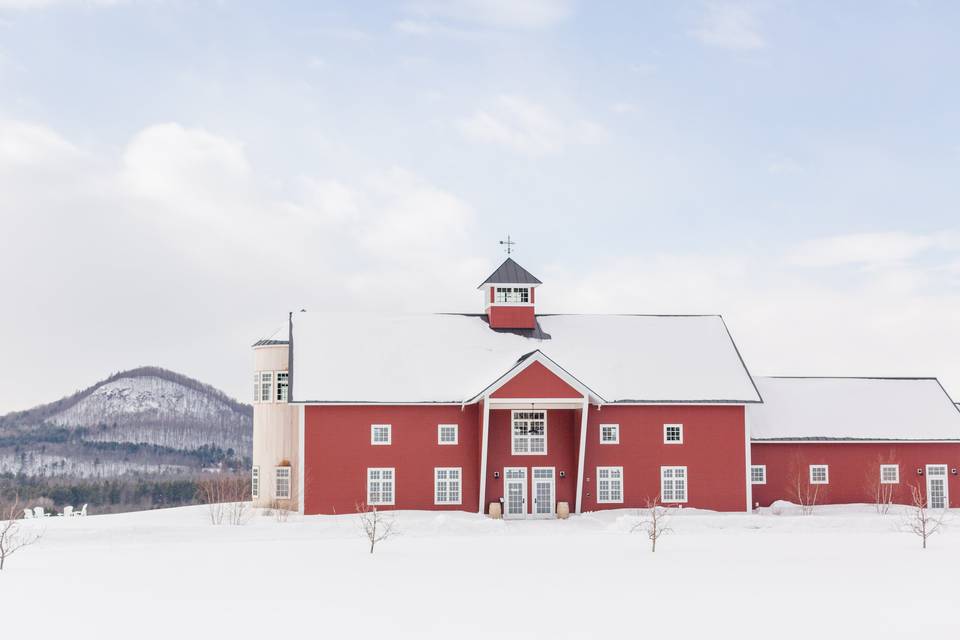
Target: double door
column 540, row 502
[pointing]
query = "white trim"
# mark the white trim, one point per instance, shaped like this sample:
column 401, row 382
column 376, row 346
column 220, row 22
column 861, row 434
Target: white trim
column 393, row 486
column 686, row 485
column 946, row 483
column 854, row 441
column 748, row 456
column 896, row 469
column 524, row 479
column 826, row 473
column 373, row 431
column 459, row 481
column 301, row 456
column 483, row 454
column 528, row 401
column 582, row 454
column 533, row 492
column 610, row 489
column 763, row 468
column 553, row 367
column 456, row 434
column 529, row 439
column 671, row 425
column 616, row 433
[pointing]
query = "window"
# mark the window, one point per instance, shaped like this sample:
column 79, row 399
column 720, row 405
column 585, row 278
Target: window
column 609, row 484
column 447, row 433
column 889, row 474
column 673, row 434
column 281, row 488
column 673, row 484
column 380, row 486
column 283, row 385
column 256, row 387
column 758, row 474
column 819, row 474
column 529, row 433
column 446, row 485
column 513, row 295
column 266, row 386
column 255, row 483
column 380, row 434
column 609, row 434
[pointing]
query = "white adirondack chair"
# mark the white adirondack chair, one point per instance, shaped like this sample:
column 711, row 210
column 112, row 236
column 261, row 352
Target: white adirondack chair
column 38, row 512
column 82, row 511
column 67, row 511
column 27, row 513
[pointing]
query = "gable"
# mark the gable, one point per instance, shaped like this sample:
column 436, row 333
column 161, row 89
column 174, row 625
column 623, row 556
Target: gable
column 536, row 381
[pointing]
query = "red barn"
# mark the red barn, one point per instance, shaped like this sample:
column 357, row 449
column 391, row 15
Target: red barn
column 530, row 413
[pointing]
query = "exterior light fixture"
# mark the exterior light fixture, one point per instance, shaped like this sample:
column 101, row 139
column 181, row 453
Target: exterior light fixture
column 496, row 475
column 563, row 474
column 919, row 471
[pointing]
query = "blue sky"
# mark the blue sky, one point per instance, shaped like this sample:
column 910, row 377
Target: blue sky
column 178, row 175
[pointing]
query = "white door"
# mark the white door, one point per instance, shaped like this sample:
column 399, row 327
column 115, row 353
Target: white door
column 514, row 492
column 544, row 500
column 937, row 494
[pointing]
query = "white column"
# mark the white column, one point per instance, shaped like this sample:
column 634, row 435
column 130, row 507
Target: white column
column 749, row 457
column 483, row 452
column 585, row 410
column 301, row 455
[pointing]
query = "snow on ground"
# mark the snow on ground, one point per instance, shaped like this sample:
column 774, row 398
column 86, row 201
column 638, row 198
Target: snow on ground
column 454, row 575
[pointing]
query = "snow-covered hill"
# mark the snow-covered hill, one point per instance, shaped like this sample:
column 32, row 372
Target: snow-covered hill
column 146, row 420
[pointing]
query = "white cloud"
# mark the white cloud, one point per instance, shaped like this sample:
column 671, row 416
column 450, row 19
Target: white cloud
column 730, row 25
column 869, row 249
column 526, row 127
column 503, row 14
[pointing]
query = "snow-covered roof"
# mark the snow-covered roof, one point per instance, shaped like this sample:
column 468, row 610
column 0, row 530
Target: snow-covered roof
column 363, row 357
column 853, row 409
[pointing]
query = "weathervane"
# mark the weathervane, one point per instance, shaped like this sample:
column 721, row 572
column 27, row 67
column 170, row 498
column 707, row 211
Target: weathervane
column 509, row 244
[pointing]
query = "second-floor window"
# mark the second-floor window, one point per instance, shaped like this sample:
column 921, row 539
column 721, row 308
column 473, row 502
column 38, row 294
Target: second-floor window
column 513, row 295
column 266, row 386
column 283, row 385
column 529, row 433
column 380, row 434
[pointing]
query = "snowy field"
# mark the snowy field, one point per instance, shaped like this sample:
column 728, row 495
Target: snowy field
column 842, row 572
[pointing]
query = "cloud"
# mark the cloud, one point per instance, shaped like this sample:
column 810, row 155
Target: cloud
column 27, row 5
column 523, row 126
column 500, row 14
column 730, row 26
column 869, row 249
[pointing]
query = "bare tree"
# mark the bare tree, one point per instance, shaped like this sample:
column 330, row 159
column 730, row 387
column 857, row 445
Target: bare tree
column 920, row 519
column 800, row 490
column 376, row 525
column 225, row 495
column 882, row 493
column 13, row 536
column 653, row 522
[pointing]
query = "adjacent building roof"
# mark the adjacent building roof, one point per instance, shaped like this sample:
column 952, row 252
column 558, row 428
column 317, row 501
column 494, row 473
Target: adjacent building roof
column 278, row 336
column 510, row 273
column 391, row 358
column 853, row 409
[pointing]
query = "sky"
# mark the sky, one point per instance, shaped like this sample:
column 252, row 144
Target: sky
column 175, row 176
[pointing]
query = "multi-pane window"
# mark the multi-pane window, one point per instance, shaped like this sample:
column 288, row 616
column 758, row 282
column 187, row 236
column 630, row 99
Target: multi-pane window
column 512, row 294
column 283, row 385
column 281, row 486
column 380, row 487
column 380, row 434
column 256, row 387
column 609, row 484
column 266, row 386
column 673, row 484
column 673, row 434
column 446, row 485
column 889, row 474
column 758, row 474
column 529, row 435
column 447, row 433
column 609, row 434
column 819, row 474
column 255, row 483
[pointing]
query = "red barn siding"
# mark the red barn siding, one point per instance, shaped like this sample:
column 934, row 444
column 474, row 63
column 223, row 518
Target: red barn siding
column 337, row 453
column 536, row 381
column 853, row 469
column 713, row 450
column 511, row 317
column 562, row 454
